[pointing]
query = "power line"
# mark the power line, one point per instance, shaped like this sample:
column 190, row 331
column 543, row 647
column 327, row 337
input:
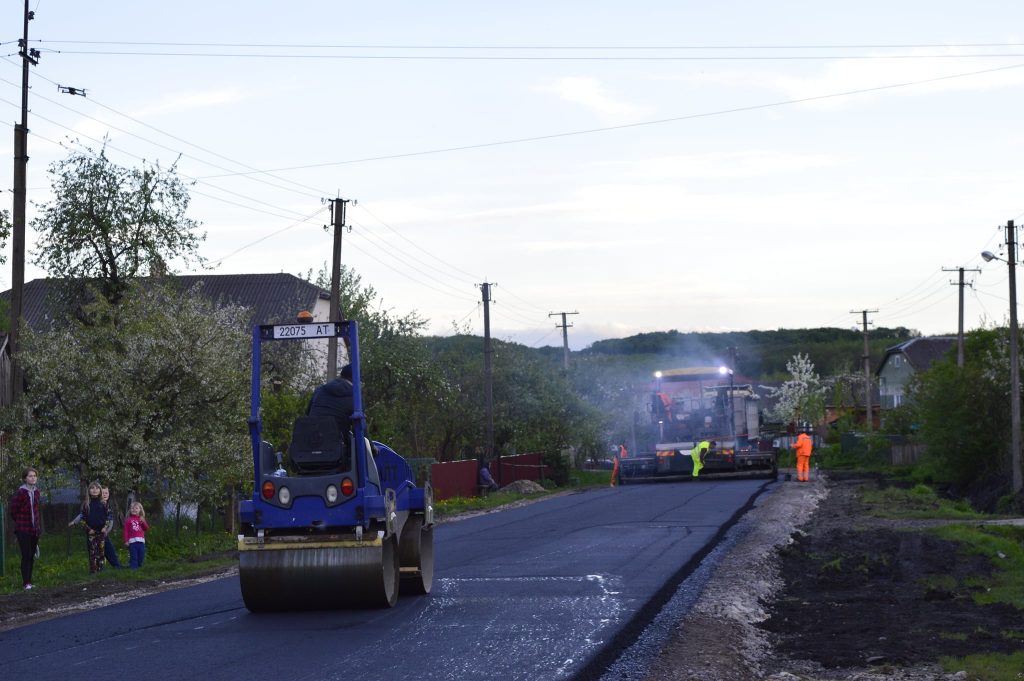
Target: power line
column 220, row 260
column 393, row 253
column 107, row 145
column 514, row 316
column 316, row 193
column 617, row 58
column 661, row 121
column 402, row 273
column 522, row 299
column 550, row 331
column 346, row 46
column 417, row 246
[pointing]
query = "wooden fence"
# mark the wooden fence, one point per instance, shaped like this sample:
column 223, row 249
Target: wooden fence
column 905, row 455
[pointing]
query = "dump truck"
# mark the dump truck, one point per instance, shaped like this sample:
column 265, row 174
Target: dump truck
column 689, row 405
column 340, row 522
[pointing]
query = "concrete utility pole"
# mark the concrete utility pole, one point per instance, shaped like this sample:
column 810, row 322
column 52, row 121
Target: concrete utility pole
column 338, row 222
column 485, row 289
column 565, row 337
column 960, row 316
column 28, row 56
column 867, row 367
column 1011, row 259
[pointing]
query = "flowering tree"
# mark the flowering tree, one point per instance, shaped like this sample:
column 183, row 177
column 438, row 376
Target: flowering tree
column 802, row 397
column 148, row 395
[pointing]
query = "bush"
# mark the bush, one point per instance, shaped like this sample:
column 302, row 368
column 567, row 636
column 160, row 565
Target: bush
column 558, row 467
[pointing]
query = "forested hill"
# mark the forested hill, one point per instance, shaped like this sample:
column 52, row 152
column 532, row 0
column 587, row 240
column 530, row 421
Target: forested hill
column 761, row 354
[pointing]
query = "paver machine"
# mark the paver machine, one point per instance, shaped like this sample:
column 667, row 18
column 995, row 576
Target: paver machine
column 339, row 522
column 690, row 405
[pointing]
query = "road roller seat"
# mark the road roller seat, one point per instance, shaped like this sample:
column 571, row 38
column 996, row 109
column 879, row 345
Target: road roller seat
column 317, row 447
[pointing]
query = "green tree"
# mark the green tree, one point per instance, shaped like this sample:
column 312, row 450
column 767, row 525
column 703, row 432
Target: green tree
column 111, row 224
column 149, row 395
column 964, row 412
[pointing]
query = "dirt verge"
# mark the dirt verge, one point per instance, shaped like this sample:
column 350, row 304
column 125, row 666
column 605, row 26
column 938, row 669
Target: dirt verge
column 819, row 591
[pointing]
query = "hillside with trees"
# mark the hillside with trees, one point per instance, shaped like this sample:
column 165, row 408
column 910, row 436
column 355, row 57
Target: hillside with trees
column 761, row 355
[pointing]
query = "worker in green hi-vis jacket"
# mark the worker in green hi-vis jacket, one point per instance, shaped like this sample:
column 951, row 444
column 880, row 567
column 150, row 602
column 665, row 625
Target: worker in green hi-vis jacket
column 698, row 453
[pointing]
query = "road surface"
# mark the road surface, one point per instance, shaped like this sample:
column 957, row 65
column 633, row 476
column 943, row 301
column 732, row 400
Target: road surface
column 550, row 590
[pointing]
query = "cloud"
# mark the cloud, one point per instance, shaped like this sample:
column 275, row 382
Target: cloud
column 724, row 165
column 581, row 245
column 190, row 101
column 589, row 92
column 945, row 73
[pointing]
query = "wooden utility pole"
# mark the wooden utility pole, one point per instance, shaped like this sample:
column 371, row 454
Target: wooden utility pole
column 485, row 289
column 28, row 56
column 338, row 222
column 960, row 316
column 867, row 367
column 565, row 337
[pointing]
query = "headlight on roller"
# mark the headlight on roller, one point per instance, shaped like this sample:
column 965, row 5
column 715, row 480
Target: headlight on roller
column 284, row 495
column 332, row 494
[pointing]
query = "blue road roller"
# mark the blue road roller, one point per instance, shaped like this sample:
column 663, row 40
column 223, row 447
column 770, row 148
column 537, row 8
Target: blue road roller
column 339, row 521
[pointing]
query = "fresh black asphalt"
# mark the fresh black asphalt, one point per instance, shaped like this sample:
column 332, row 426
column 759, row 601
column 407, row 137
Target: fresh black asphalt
column 551, row 590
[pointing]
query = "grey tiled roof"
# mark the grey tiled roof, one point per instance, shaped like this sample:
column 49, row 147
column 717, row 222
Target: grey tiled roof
column 273, row 297
column 921, row 352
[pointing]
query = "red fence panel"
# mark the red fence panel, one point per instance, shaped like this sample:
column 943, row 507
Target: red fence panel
column 520, row 467
column 454, row 479
column 461, row 478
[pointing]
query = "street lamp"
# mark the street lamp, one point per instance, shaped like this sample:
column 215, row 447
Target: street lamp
column 1011, row 261
column 732, row 406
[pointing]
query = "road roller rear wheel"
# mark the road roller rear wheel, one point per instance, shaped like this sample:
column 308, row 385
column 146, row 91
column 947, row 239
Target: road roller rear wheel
column 416, row 556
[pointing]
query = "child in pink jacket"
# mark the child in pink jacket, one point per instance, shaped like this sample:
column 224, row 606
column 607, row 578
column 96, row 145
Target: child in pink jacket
column 135, row 527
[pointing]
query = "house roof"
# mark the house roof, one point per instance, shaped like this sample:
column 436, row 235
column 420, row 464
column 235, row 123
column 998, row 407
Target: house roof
column 273, row 297
column 920, row 352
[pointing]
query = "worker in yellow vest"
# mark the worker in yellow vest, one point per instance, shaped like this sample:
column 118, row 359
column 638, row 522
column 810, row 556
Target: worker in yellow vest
column 698, row 453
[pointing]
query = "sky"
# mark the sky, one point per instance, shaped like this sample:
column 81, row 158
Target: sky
column 650, row 165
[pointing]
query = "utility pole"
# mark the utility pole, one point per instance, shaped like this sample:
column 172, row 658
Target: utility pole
column 960, row 316
column 1011, row 258
column 565, row 337
column 733, row 354
column 485, row 289
column 28, row 56
column 338, row 222
column 867, row 366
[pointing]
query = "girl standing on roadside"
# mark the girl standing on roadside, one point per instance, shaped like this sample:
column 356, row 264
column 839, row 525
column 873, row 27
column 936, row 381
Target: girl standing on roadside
column 113, row 517
column 94, row 515
column 28, row 522
column 135, row 527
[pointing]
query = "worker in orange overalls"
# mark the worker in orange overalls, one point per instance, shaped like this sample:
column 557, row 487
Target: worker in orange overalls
column 623, row 453
column 666, row 405
column 803, row 449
